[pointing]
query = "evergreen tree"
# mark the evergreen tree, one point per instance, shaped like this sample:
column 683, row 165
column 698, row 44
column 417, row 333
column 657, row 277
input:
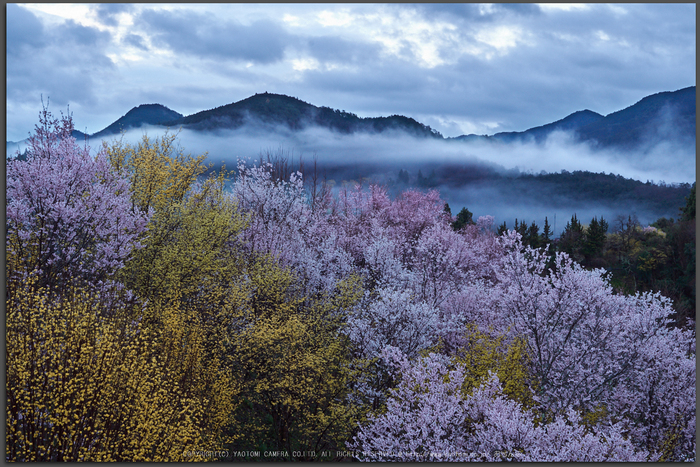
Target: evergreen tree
column 546, row 232
column 447, row 209
column 463, row 218
column 533, row 235
column 594, row 239
column 403, row 177
column 688, row 211
column 431, row 181
column 571, row 241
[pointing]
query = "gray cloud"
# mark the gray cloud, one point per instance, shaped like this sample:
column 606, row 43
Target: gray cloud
column 565, row 67
column 473, row 12
column 525, row 9
column 337, row 50
column 205, row 35
column 63, row 63
column 82, row 36
column 468, row 11
column 379, row 81
column 106, row 12
column 24, row 31
column 136, row 41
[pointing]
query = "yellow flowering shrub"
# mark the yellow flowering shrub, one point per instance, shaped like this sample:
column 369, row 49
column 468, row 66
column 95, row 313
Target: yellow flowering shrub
column 159, row 171
column 484, row 353
column 83, row 387
column 194, row 354
column 189, row 270
column 291, row 358
column 189, row 249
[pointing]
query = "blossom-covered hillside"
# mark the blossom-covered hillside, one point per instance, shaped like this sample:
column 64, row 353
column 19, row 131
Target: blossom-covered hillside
column 153, row 315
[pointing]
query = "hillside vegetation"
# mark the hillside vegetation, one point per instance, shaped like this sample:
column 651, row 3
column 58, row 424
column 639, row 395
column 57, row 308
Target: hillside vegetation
column 153, row 315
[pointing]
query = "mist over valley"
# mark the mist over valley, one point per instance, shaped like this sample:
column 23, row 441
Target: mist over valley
column 637, row 161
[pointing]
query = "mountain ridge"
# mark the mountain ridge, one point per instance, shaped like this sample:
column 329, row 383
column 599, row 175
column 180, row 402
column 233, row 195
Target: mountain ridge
column 278, row 109
column 668, row 114
column 628, row 128
column 539, row 134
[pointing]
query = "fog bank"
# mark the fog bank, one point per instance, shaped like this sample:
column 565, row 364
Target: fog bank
column 378, row 158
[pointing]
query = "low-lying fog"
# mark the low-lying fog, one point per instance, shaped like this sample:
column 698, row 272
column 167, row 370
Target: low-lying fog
column 379, row 158
column 673, row 163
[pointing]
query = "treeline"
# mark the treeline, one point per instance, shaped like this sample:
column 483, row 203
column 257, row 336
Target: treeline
column 155, row 315
column 659, row 257
column 554, row 189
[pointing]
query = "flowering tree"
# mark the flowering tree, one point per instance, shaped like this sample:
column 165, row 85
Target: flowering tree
column 393, row 319
column 284, row 225
column 428, row 418
column 607, row 355
column 84, row 388
column 425, row 415
column 601, row 365
column 502, row 431
column 68, row 214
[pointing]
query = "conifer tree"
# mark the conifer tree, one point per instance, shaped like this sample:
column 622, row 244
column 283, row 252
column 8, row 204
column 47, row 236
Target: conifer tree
column 463, row 218
column 688, row 211
column 546, row 234
column 571, row 240
column 533, row 235
column 594, row 239
column 403, row 177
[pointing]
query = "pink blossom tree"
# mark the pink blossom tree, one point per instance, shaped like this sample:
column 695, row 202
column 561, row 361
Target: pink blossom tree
column 593, row 354
column 425, row 415
column 282, row 223
column 595, row 351
column 428, row 418
column 68, row 214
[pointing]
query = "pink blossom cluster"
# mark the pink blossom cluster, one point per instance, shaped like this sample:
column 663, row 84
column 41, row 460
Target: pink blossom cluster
column 68, row 213
column 590, row 349
column 427, row 418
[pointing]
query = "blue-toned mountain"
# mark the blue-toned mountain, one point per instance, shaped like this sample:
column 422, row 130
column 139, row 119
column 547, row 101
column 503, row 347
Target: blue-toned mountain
column 662, row 116
column 274, row 110
column 666, row 116
column 145, row 114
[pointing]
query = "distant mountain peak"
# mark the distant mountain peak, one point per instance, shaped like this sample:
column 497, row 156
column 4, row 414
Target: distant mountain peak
column 144, row 114
column 149, row 107
column 639, row 123
column 664, row 116
column 539, row 134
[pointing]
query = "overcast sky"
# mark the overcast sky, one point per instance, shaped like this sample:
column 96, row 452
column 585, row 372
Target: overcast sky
column 460, row 68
